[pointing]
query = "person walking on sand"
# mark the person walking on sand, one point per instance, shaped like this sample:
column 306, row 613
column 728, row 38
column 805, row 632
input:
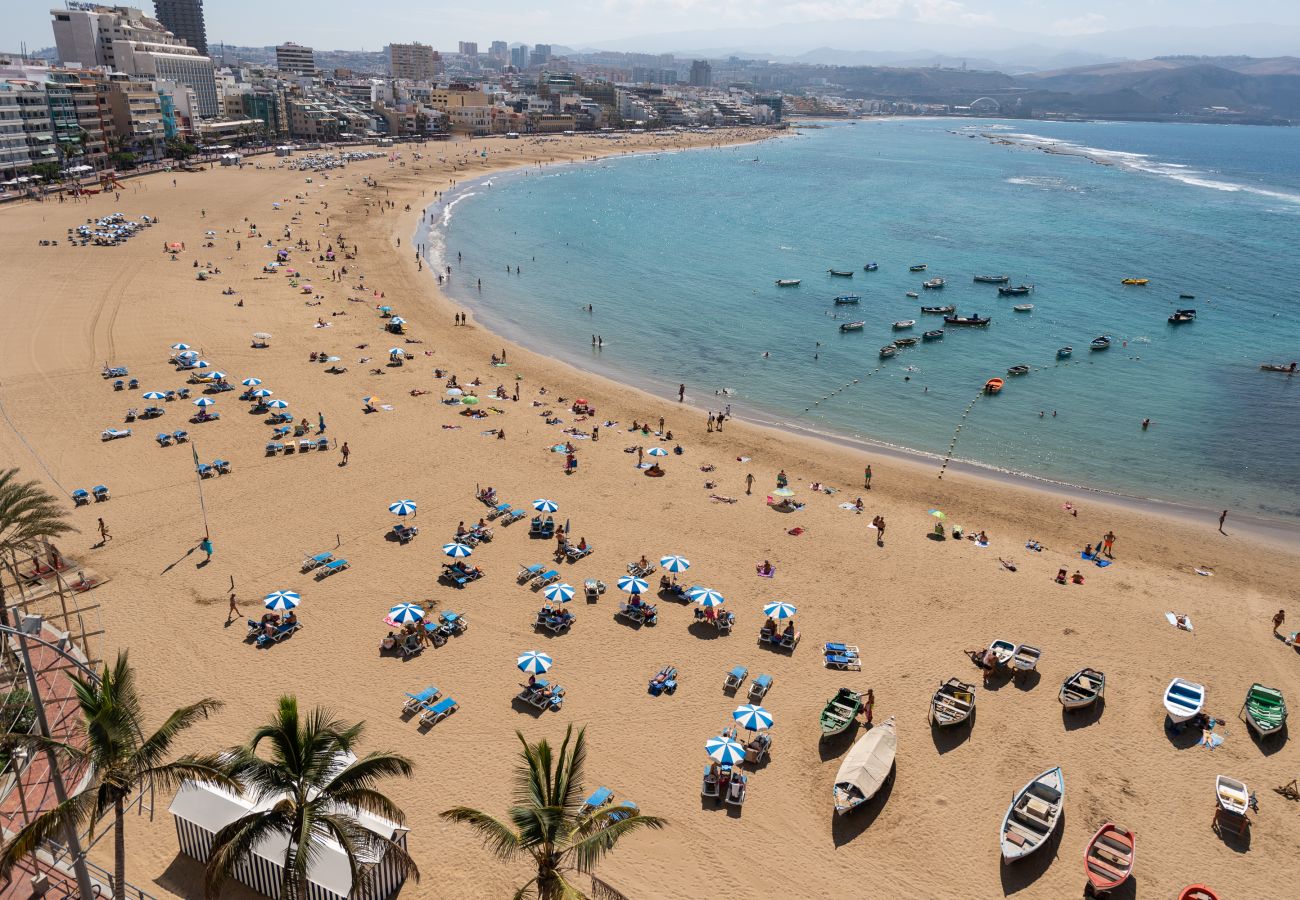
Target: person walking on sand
column 1279, row 620
column 346, row 452
column 234, row 609
column 1108, row 544
column 866, row 477
column 868, row 707
column 320, row 421
column 206, row 546
column 681, row 393
column 880, row 531
column 749, row 482
column 104, row 536
column 1222, row 516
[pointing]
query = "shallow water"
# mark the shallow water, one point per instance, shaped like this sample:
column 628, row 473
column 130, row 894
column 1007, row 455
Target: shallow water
column 679, row 253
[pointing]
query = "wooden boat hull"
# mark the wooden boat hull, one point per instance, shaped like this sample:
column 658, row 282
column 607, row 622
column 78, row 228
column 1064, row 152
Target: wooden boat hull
column 1183, row 700
column 1018, row 370
column 1033, row 815
column 839, row 712
column 992, row 279
column 866, row 768
column 1003, row 652
column 1232, row 795
column 1109, row 858
column 840, row 274
column 1084, row 688
column 993, row 385
column 1197, row 892
column 938, row 310
column 920, row 268
column 1265, row 710
column 936, row 335
column 905, row 323
column 952, row 704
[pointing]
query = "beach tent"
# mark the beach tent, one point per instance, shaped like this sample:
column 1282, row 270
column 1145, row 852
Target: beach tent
column 201, row 810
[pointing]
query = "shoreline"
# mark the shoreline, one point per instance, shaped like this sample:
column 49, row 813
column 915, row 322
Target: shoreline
column 1281, row 532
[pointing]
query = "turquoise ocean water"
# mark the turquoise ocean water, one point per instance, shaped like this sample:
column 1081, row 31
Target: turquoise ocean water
column 678, row 254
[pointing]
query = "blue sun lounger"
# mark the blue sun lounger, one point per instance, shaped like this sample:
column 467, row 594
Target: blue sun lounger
column 416, row 702
column 735, row 678
column 334, row 565
column 432, row 715
column 100, row 493
column 549, row 577
column 758, row 690
column 599, row 797
column 206, row 471
column 180, row 437
column 502, row 509
column 529, row 572
column 281, row 632
column 845, row 663
column 81, row 497
column 164, row 439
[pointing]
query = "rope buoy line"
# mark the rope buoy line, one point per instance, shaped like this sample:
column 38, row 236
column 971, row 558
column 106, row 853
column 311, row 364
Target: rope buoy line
column 953, row 445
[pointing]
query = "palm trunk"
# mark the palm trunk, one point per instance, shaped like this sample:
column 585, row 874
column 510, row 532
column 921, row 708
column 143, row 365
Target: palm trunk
column 289, row 882
column 119, row 850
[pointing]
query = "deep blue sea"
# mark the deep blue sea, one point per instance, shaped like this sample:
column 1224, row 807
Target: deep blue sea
column 679, row 254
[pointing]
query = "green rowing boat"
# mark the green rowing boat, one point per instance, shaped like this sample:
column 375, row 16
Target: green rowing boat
column 840, row 711
column 1265, row 710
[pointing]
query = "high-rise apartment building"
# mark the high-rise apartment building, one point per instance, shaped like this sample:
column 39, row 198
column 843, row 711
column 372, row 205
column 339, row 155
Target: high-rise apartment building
column 541, row 55
column 519, row 56
column 295, row 58
column 701, row 73
column 469, row 48
column 184, row 18
column 500, row 51
column 416, row 62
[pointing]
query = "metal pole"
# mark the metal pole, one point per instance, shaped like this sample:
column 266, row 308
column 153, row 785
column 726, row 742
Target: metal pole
column 56, row 776
column 198, row 480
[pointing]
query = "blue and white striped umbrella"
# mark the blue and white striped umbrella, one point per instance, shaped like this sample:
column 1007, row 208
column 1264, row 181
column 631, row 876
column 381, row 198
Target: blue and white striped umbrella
column 180, row 346
column 397, row 320
column 216, row 376
column 154, row 395
column 656, row 451
column 561, row 592
column 752, row 718
column 205, row 401
column 632, row 585
column 251, row 382
column 675, row 563
column 534, row 662
column 456, row 550
column 202, row 364
column 546, row 506
column 405, row 613
column 187, row 354
column 278, row 404
column 263, row 392
column 396, row 351
column 706, row 596
column 402, row 507
column 780, row 610
column 282, row 600
column 725, row 750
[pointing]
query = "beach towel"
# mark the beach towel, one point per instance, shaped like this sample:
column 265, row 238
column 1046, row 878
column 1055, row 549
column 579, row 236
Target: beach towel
column 1096, row 558
column 1202, row 570
column 796, row 531
column 1173, row 620
column 1210, row 740
column 848, row 506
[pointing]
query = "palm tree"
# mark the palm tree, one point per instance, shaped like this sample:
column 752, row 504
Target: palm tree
column 547, row 821
column 120, row 761
column 29, row 516
column 316, row 795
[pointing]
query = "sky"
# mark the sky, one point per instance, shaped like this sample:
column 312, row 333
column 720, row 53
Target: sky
column 334, row 24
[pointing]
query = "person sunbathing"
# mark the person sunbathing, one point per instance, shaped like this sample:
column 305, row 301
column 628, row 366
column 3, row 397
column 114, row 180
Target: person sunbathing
column 765, row 569
column 1076, row 578
column 389, row 642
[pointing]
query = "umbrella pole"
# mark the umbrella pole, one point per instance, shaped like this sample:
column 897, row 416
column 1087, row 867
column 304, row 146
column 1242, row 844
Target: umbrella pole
column 198, row 481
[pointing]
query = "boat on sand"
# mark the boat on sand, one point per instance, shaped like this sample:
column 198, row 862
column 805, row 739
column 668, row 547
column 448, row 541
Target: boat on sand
column 1003, row 651
column 1265, row 710
column 840, row 711
column 1183, row 699
column 1197, row 892
column 1033, row 815
column 952, row 704
column 1084, row 688
column 1232, row 795
column 1108, row 859
column 866, row 767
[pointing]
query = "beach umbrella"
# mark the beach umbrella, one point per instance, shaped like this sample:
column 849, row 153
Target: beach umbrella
column 385, row 309
column 262, row 335
column 780, row 610
column 405, row 613
column 205, row 401
column 180, row 346
column 278, row 404
column 727, row 751
column 251, row 382
column 657, row 451
column 263, row 392
column 397, row 320
column 456, row 550
column 154, row 395
column 783, row 492
column 203, row 364
column 369, row 401
column 534, row 662
column 752, row 718
column 632, row 585
column 215, row 376
column 675, row 563
column 279, row 601
column 187, row 354
column 402, row 507
column 546, row 506
column 469, row 399
column 396, row 351
column 938, row 514
column 561, row 592
column 454, row 392
column 706, row 596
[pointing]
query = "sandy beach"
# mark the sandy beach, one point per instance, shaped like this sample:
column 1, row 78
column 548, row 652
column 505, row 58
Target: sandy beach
column 912, row 604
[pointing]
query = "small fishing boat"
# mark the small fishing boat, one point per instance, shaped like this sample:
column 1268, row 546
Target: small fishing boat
column 1023, row 307
column 1084, row 688
column 992, row 279
column 913, row 294
column 905, row 323
column 887, row 351
column 1182, row 316
column 1137, row 281
column 870, row 267
column 841, row 273
column 938, row 310
column 1197, row 892
column 1186, row 296
column 1108, row 860
column 952, row 704
column 842, row 299
column 967, row 320
column 1003, row 651
column 993, row 385
column 933, row 284
column 1033, row 815
column 920, row 267
column 1265, row 710
column 1064, row 352
column 1018, row 291
column 1232, row 795
column 852, row 326
column 1183, row 699
column 936, row 335
column 840, row 711
column 1026, row 659
column 866, row 767
column 1018, row 370
column 1099, row 343
column 788, row 282
column 1272, row 367
column 905, row 342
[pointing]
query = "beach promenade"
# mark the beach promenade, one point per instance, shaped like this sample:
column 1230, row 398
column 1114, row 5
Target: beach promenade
column 912, row 604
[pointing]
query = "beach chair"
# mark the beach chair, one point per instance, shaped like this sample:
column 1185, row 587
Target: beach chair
column 206, row 471
column 169, row 396
column 281, row 632
column 710, row 786
column 416, row 702
column 500, row 510
column 725, row 622
column 528, row 572
column 164, row 439
column 404, row 533
column 319, row 559
column 631, row 613
column 410, row 645
column 442, row 709
column 514, row 516
column 454, row 622
column 592, row 588
column 599, row 797
column 553, row 702
column 183, row 393
column 786, row 641
column 152, row 412
column 548, row 577
column 180, row 437
column 254, row 629
column 305, row 444
column 331, row 567
column 548, row 529
column 290, row 448
column 274, row 447
column 758, row 690
column 622, row 811
column 222, row 466
column 575, row 553
column 535, row 526
column 112, row 434
column 735, row 678
column 843, row 663
column 757, row 749
column 736, row 789
column 322, row 444
column 119, row 385
column 80, row 497
column 100, row 493
column 664, row 681
column 559, row 623
column 850, row 650
column 133, row 384
column 131, row 415
column 282, row 431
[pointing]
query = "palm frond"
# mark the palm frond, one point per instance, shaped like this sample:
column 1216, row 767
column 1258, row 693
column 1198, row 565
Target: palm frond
column 155, row 747
column 52, row 824
column 210, row 769
column 368, row 771
column 237, row 841
column 29, row 514
column 588, row 850
column 496, row 835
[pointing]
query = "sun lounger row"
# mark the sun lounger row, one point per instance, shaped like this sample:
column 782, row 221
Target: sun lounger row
column 303, row 446
column 150, row 412
column 114, row 372
column 543, row 528
column 218, row 467
column 404, row 533
column 326, row 569
column 80, row 497
column 541, row 694
column 723, row 621
column 664, row 681
column 725, row 778
column 842, row 656
column 786, row 640
column 638, row 614
column 431, row 706
column 555, row 619
column 166, row 438
column 736, row 679
column 112, row 434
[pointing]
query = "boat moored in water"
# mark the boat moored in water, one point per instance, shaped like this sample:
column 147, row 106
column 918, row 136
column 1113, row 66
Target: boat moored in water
column 905, row 323
column 905, row 342
column 1136, row 281
column 1018, row 291
column 841, row 273
column 975, row 320
column 1018, row 370
column 1182, row 316
column 788, row 282
column 913, row 294
column 852, row 326
column 992, row 279
column 1064, row 352
column 870, row 267
column 1099, row 343
column 919, row 267
column 933, row 284
column 993, row 385
column 847, row 298
column 936, row 335
column 1023, row 307
column 887, row 351
column 939, row 310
